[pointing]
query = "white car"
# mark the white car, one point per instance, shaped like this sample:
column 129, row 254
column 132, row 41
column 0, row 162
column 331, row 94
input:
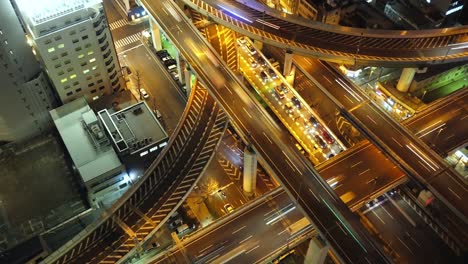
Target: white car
column 144, row 93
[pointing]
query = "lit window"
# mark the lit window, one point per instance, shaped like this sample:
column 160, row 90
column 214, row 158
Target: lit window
column 6, row 42
column 86, row 71
column 90, row 52
column 51, row 50
column 61, row 46
column 73, row 76
column 92, row 60
column 11, row 52
column 94, row 68
column 96, row 97
column 63, row 80
column 80, row 56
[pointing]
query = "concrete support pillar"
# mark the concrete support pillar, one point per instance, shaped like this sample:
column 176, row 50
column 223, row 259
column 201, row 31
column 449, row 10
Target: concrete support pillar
column 155, row 35
column 250, row 170
column 288, row 56
column 317, row 251
column 258, row 44
column 405, row 79
column 187, row 79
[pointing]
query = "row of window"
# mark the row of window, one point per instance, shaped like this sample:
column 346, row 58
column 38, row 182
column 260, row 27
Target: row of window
column 79, row 90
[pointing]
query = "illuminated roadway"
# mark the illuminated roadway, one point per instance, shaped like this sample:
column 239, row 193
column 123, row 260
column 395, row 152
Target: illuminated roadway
column 412, row 154
column 337, row 43
column 332, row 218
column 152, row 199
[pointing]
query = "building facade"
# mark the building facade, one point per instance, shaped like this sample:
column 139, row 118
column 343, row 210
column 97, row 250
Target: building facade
column 26, row 95
column 73, row 41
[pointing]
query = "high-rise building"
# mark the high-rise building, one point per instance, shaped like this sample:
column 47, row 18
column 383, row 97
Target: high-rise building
column 26, row 95
column 73, row 41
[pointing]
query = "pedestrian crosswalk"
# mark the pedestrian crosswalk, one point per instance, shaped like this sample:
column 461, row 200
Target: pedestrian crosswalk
column 118, row 24
column 128, row 40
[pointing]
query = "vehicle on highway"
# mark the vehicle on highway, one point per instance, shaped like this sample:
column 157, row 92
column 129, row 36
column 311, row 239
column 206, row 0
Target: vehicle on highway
column 170, row 64
column 182, row 228
column 162, row 53
column 288, row 107
column 222, row 193
column 300, row 148
column 143, row 93
column 326, row 136
column 228, row 208
column 252, row 49
column 175, row 75
column 273, row 74
column 296, row 102
column 127, row 70
column 284, row 88
column 176, row 223
column 279, row 93
column 314, row 121
column 242, row 41
column 261, row 61
column 253, row 63
column 320, row 142
column 264, row 76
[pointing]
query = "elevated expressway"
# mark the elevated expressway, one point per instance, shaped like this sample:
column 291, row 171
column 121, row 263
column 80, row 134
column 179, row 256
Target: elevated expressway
column 414, row 156
column 346, row 45
column 163, row 187
column 330, row 215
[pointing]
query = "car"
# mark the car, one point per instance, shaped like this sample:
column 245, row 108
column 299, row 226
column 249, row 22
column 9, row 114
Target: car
column 284, row 88
column 253, row 63
column 176, row 223
column 279, row 93
column 272, row 74
column 296, row 102
column 264, row 76
column 127, row 70
column 261, row 61
column 162, row 53
column 320, row 142
column 175, row 75
column 169, row 62
column 222, row 193
column 166, row 58
column 228, row 208
column 143, row 93
column 242, row 41
column 252, row 50
column 327, row 136
column 314, row 121
column 299, row 147
column 289, row 107
column 182, row 228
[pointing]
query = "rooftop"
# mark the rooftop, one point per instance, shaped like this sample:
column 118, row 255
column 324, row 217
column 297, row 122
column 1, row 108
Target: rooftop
column 89, row 149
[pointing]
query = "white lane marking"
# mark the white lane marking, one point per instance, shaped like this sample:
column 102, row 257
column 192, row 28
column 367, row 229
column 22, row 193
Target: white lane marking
column 378, row 217
column 421, row 155
column 247, row 238
column 247, row 112
column 229, row 90
column 454, row 193
column 280, row 233
column 391, row 216
column 405, row 245
column 132, row 48
column 432, row 130
column 429, row 126
column 291, row 163
column 205, row 248
column 238, row 230
column 371, row 119
column 397, row 142
column 314, row 195
column 257, row 246
column 348, row 98
column 214, row 256
column 355, row 164
column 364, row 172
column 267, row 137
column 463, row 117
column 325, row 77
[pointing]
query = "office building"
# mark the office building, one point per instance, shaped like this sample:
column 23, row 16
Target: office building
column 25, row 93
column 73, row 41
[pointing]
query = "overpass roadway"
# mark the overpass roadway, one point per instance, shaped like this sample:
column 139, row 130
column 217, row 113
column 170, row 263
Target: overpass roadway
column 391, row 48
column 250, row 235
column 150, row 201
column 442, row 125
column 411, row 153
column 329, row 214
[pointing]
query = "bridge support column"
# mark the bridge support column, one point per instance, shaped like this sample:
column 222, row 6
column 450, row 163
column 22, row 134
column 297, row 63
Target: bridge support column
column 258, row 44
column 250, row 170
column 155, row 35
column 127, row 4
column 405, row 79
column 188, row 80
column 288, row 56
column 317, row 251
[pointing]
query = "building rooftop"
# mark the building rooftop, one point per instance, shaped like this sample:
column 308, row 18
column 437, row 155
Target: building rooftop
column 44, row 10
column 133, row 128
column 90, row 150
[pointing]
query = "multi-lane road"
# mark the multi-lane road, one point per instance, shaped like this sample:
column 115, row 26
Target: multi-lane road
column 331, row 217
column 413, row 156
column 241, row 238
